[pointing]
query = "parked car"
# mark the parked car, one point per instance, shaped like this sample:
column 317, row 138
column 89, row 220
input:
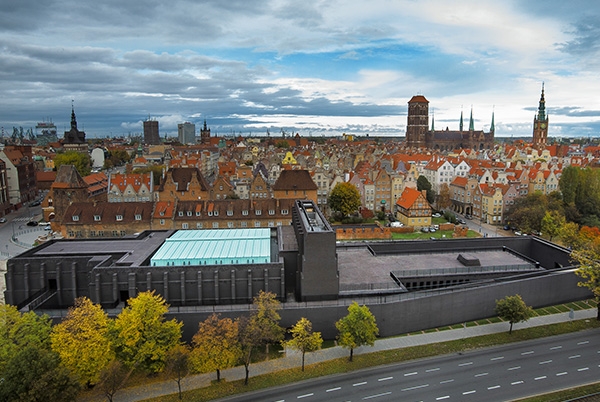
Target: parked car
column 467, row 216
column 506, row 227
column 47, row 227
column 425, row 230
column 34, row 204
column 32, row 223
column 436, row 215
column 2, row 220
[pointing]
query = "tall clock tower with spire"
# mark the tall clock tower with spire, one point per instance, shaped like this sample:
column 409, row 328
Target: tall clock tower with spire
column 540, row 123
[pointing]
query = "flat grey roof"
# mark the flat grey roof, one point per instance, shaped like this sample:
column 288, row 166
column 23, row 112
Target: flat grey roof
column 357, row 265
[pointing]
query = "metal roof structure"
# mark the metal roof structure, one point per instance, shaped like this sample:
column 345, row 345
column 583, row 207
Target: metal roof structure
column 215, row 247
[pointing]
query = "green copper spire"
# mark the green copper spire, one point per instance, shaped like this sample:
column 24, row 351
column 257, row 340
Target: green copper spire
column 471, row 123
column 432, row 122
column 492, row 127
column 542, row 108
column 461, row 121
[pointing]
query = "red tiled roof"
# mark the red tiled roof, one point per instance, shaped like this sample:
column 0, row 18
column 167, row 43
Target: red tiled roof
column 408, row 198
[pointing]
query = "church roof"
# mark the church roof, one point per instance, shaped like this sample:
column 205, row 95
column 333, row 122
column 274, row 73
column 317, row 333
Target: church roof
column 418, row 99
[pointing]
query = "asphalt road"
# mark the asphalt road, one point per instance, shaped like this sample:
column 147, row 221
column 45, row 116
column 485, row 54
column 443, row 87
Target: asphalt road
column 493, row 374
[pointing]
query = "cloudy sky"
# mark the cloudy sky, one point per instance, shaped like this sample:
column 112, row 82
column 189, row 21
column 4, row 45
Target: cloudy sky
column 311, row 66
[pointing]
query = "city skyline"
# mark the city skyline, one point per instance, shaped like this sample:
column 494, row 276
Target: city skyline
column 316, row 68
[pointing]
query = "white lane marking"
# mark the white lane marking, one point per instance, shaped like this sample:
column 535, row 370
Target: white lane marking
column 574, row 356
column 497, row 358
column 431, row 370
column 442, row 397
column 540, row 378
column 556, row 347
column 376, row 396
column 333, row 389
column 469, row 392
column 513, row 368
column 416, row 387
column 358, row 384
column 546, row 361
column 583, row 369
column 563, row 373
column 385, row 379
column 494, row 387
column 304, row 396
column 583, row 342
column 527, row 353
column 516, row 383
column 413, row 373
column 446, row 382
column 481, row 374
column 465, row 364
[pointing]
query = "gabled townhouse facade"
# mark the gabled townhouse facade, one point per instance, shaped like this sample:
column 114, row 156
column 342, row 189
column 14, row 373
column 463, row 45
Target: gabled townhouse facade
column 412, row 208
column 130, row 187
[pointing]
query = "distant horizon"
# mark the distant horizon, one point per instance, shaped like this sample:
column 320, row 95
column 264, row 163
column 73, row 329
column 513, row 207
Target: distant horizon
column 310, row 67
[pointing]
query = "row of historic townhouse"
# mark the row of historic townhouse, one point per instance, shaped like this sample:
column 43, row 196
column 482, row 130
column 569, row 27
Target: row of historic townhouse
column 84, row 220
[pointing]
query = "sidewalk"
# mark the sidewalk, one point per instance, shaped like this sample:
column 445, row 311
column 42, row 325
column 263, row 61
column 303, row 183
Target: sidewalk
column 292, row 360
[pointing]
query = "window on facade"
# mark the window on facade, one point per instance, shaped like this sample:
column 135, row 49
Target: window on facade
column 96, row 218
column 271, row 212
column 75, row 218
column 162, row 221
column 258, row 212
column 189, row 213
column 138, row 217
column 119, row 217
column 115, row 233
column 229, row 212
column 284, row 212
column 123, row 233
column 244, row 224
column 197, row 213
column 215, row 225
column 180, row 213
column 256, row 224
column 199, row 225
column 184, row 225
column 216, row 213
column 230, row 224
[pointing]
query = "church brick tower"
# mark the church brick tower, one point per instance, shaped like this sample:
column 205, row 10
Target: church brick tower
column 540, row 124
column 417, row 121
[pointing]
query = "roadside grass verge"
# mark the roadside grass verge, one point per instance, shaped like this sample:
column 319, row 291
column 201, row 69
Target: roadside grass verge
column 363, row 361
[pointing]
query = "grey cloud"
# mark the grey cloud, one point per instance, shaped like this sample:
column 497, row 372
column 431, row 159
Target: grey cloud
column 586, row 40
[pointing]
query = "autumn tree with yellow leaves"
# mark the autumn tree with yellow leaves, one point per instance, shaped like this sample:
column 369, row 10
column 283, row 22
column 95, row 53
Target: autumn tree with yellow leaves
column 82, row 341
column 215, row 346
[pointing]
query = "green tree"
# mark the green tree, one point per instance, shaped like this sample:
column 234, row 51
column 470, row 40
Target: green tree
column 344, row 198
column 587, row 255
column 304, row 339
column 18, row 331
column 266, row 318
column 215, row 346
column 141, row 336
column 177, row 366
column 35, row 374
column 82, row 341
column 424, row 184
column 81, row 161
column 357, row 328
column 527, row 212
column 513, row 309
column 248, row 339
column 552, row 224
column 569, row 235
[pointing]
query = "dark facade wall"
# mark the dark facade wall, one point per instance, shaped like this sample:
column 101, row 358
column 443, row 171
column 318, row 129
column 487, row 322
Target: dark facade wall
column 318, row 272
column 74, row 277
column 396, row 317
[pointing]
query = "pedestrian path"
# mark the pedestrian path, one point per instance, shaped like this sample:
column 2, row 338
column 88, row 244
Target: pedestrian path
column 292, row 360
